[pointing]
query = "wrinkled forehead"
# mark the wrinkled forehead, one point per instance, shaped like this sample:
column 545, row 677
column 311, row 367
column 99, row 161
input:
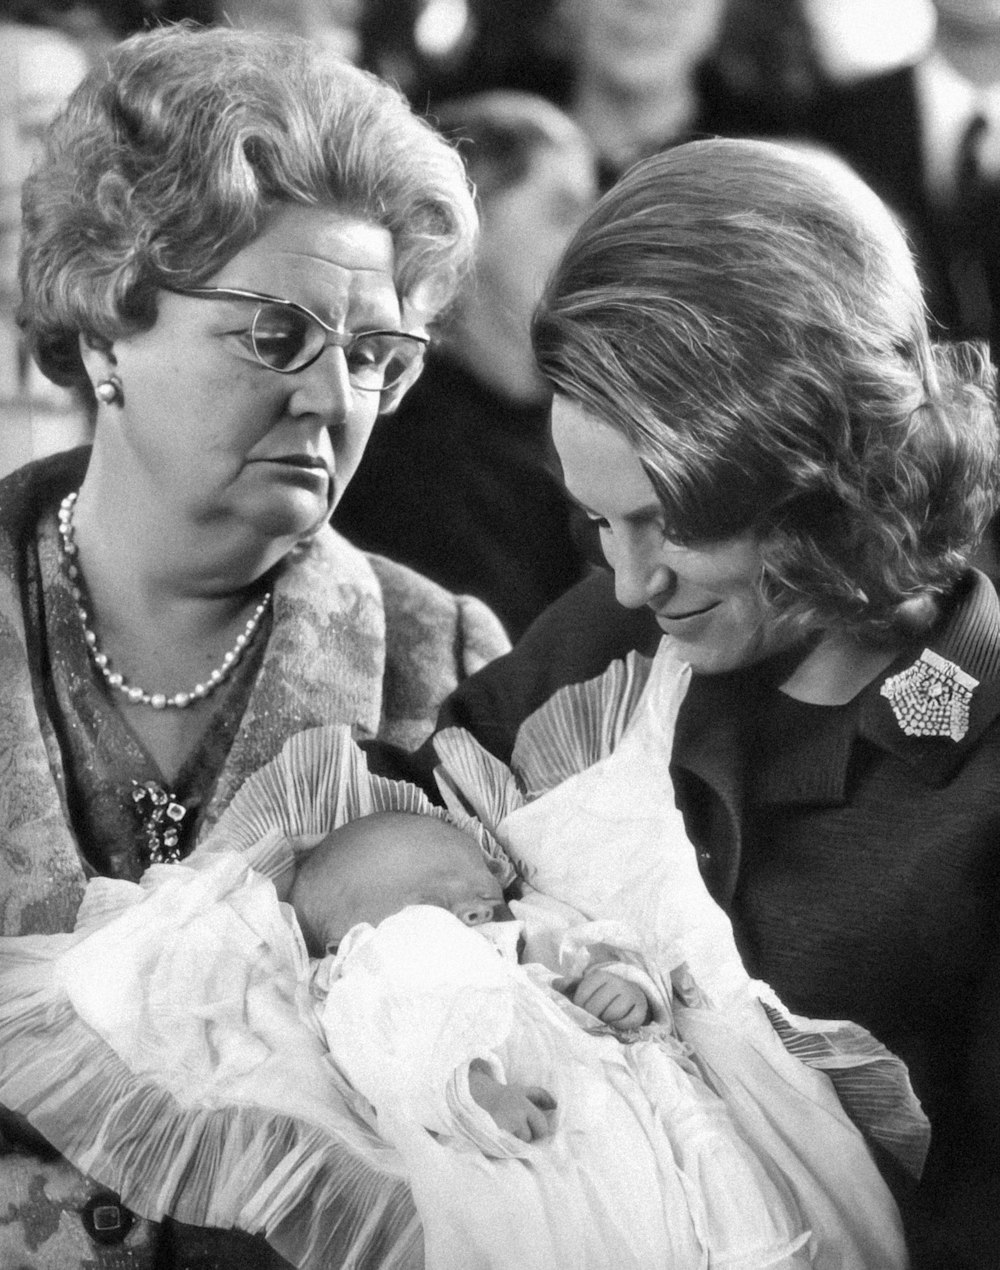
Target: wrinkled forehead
column 339, row 266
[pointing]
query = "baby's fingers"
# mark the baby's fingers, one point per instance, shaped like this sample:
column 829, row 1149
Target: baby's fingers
column 635, row 1015
column 603, row 998
column 593, row 993
column 613, row 1000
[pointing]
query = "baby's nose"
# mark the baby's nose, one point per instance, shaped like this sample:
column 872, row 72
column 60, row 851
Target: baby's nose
column 477, row 914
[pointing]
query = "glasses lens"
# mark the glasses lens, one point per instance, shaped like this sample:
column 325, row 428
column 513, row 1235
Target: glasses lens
column 284, row 338
column 376, row 362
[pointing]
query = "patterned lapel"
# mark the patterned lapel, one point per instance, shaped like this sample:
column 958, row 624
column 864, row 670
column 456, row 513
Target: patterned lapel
column 324, row 663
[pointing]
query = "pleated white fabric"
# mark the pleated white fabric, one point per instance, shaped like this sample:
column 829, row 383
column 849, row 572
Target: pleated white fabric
column 591, row 823
column 180, row 1047
column 645, row 1167
column 170, row 1049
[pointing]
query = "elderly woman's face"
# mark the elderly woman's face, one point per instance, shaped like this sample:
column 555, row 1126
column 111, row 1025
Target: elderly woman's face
column 218, row 435
column 705, row 598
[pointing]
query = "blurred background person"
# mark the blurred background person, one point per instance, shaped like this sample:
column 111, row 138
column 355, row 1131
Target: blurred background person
column 39, row 67
column 460, row 483
column 633, row 84
column 640, row 75
column 927, row 137
column 625, row 72
column 46, row 47
column 647, row 74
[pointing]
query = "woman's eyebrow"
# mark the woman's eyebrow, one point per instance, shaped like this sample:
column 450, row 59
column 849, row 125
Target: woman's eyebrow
column 650, row 511
column 645, row 512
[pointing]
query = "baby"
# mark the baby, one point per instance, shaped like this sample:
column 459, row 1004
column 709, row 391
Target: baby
column 507, row 1090
column 378, row 865
column 616, row 1097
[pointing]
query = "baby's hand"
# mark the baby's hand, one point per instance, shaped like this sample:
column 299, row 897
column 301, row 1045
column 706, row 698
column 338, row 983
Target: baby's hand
column 520, row 1109
column 612, row 999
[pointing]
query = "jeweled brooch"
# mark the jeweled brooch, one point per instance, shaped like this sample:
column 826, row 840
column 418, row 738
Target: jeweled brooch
column 160, row 815
column 931, row 697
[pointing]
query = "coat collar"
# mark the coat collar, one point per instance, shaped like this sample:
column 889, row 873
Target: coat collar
column 719, row 709
column 969, row 637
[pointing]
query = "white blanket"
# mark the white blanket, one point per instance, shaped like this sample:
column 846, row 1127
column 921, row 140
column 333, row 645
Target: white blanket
column 172, row 1046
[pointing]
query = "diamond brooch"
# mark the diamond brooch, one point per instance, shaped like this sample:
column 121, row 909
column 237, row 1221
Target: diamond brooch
column 931, row 697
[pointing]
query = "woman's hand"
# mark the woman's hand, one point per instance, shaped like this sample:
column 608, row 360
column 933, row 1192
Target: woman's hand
column 519, row 1109
column 614, row 1000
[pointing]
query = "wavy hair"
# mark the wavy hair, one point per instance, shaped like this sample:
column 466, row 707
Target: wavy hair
column 169, row 158
column 749, row 317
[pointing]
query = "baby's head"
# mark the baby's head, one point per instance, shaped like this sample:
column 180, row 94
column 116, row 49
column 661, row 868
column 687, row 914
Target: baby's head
column 376, row 865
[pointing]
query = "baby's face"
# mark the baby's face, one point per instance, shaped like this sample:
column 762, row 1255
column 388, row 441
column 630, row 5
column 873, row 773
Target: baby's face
column 414, row 860
column 453, row 880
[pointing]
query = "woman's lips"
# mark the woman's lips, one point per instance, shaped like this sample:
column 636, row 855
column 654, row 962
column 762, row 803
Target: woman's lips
column 662, row 616
column 310, row 461
column 306, row 467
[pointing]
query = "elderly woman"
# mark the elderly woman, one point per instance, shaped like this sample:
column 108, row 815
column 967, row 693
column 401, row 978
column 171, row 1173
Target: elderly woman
column 788, row 479
column 237, row 244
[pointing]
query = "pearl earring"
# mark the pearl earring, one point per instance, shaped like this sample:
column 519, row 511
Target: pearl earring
column 110, row 391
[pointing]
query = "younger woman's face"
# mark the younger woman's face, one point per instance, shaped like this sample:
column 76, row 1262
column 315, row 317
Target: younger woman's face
column 705, row 598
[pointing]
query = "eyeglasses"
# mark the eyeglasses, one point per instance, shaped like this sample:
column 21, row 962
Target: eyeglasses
column 286, row 337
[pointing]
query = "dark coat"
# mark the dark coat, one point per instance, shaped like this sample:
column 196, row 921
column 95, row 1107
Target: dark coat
column 860, row 866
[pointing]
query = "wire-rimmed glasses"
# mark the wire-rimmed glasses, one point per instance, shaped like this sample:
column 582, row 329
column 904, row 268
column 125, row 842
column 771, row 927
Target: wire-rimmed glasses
column 287, row 337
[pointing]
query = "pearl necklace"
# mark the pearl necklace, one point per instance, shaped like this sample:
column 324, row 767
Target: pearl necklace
column 136, row 695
